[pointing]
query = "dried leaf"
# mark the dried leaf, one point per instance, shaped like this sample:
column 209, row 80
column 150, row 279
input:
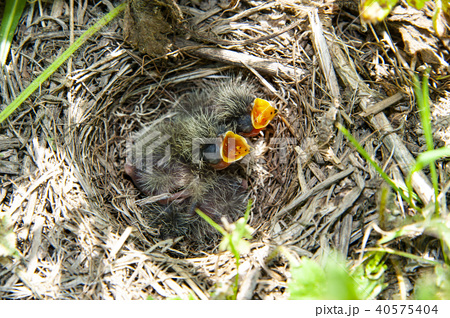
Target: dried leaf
column 422, row 43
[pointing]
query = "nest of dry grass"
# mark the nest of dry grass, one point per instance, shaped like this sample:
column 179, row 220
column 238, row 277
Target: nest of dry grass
column 78, row 218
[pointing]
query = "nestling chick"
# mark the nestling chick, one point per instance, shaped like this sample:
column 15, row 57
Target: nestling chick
column 233, row 103
column 180, row 155
column 177, row 155
column 226, row 198
column 199, row 138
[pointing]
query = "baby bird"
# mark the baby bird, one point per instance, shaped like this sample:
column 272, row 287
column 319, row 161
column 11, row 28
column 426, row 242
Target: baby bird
column 226, row 198
column 177, row 155
column 233, row 103
column 180, row 156
column 200, row 139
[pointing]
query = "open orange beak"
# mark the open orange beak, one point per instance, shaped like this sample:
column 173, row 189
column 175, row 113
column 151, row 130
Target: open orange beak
column 233, row 148
column 262, row 113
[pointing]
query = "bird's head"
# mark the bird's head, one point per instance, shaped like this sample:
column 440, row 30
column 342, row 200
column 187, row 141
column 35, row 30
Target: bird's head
column 260, row 116
column 230, row 148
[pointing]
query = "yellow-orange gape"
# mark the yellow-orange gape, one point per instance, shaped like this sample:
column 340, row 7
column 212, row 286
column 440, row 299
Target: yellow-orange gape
column 262, row 113
column 232, row 148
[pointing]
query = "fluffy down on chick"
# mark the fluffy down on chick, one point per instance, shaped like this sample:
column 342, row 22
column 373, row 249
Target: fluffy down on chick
column 233, row 103
column 177, row 155
column 225, row 199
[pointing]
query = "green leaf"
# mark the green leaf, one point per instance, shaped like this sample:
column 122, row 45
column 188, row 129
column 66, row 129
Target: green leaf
column 439, row 227
column 234, row 241
column 308, row 281
column 376, row 10
column 434, row 286
column 59, row 61
column 375, row 267
column 332, row 279
column 418, row 4
column 7, row 236
column 428, row 158
column 423, row 104
column 11, row 17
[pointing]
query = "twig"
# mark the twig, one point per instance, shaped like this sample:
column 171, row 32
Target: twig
column 267, row 66
column 199, row 37
column 380, row 106
column 321, row 49
column 400, row 279
column 72, row 37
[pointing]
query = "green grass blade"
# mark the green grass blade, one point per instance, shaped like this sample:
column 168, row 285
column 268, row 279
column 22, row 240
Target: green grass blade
column 11, row 17
column 423, row 104
column 431, row 156
column 366, row 156
column 402, row 254
column 247, row 211
column 211, row 222
column 59, row 61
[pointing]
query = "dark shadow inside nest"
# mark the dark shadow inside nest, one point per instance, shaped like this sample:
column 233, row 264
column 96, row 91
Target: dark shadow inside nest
column 267, row 171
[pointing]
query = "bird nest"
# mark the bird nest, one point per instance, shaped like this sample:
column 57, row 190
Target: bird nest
column 78, row 217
